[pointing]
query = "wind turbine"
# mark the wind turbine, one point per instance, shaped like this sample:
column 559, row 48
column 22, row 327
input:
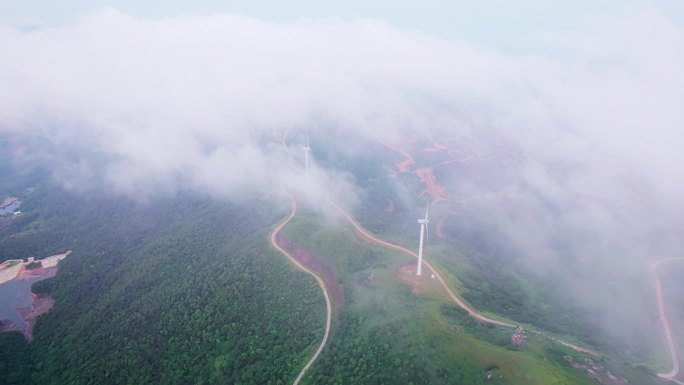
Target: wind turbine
column 306, row 157
column 423, row 228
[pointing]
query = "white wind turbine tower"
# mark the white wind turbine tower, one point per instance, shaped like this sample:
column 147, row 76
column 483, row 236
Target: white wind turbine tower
column 423, row 228
column 306, row 157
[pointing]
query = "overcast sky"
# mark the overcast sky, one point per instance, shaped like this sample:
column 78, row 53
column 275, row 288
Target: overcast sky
column 498, row 23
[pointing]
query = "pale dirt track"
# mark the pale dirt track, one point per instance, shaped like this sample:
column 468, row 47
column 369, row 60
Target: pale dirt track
column 8, row 274
column 294, row 261
column 458, row 300
column 665, row 323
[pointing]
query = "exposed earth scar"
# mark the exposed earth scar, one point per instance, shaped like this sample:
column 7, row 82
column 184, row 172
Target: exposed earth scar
column 19, row 270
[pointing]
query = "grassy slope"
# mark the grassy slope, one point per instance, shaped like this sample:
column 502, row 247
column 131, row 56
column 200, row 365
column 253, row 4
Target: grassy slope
column 422, row 339
column 487, row 278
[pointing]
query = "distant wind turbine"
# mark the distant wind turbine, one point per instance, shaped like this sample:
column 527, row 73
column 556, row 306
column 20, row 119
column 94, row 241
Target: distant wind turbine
column 423, row 228
column 306, row 157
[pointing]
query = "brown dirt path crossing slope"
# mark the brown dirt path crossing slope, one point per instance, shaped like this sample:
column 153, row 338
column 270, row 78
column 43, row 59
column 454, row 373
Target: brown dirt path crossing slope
column 665, row 323
column 458, row 300
column 274, row 242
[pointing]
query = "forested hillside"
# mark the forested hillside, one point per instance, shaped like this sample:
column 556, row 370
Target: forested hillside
column 183, row 290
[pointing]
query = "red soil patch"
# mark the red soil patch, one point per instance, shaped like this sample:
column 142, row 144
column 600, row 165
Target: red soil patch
column 319, row 267
column 435, row 191
column 39, row 272
column 426, row 174
column 405, row 165
column 406, row 272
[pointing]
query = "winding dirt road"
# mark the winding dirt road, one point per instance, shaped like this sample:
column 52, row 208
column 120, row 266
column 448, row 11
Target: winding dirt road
column 370, row 237
column 458, row 300
column 665, row 323
column 274, row 242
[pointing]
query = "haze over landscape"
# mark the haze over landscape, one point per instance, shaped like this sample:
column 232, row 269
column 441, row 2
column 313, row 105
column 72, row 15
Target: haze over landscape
column 547, row 146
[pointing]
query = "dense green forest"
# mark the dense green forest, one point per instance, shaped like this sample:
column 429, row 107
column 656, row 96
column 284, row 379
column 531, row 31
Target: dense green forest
column 185, row 289
column 182, row 290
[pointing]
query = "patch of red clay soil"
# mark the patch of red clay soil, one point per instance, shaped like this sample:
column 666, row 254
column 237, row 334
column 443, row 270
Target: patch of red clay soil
column 319, row 267
column 406, row 272
column 40, row 272
column 433, row 189
column 405, row 165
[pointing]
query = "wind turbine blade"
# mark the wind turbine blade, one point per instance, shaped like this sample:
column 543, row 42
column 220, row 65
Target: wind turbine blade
column 427, row 208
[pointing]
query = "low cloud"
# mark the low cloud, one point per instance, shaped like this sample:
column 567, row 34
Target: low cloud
column 594, row 115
